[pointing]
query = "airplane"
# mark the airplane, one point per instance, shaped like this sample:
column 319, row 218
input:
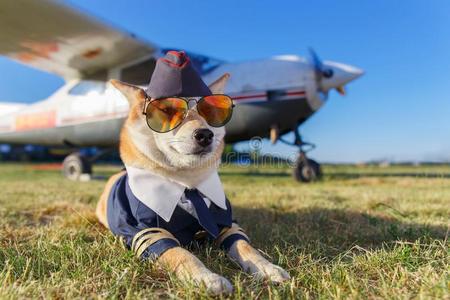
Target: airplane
column 273, row 96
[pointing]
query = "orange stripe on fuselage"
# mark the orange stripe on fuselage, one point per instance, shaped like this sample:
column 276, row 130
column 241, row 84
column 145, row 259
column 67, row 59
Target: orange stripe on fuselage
column 39, row 120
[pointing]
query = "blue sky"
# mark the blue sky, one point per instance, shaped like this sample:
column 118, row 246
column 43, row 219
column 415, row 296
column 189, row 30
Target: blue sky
column 400, row 109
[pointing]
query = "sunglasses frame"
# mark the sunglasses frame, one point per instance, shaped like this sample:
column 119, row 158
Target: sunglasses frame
column 187, row 100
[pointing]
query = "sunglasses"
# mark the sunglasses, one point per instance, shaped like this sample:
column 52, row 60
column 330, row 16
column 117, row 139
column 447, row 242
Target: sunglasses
column 166, row 114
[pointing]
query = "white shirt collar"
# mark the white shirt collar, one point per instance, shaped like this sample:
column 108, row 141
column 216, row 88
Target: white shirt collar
column 162, row 195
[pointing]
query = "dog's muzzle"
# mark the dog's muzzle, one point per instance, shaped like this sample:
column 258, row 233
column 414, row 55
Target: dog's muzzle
column 203, row 137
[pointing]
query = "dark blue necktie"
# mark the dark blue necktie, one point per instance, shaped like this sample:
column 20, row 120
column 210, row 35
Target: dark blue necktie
column 204, row 216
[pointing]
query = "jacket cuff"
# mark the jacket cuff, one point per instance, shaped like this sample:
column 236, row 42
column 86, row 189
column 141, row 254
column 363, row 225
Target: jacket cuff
column 229, row 235
column 229, row 241
column 157, row 249
column 153, row 242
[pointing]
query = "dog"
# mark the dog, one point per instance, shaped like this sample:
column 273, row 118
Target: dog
column 181, row 158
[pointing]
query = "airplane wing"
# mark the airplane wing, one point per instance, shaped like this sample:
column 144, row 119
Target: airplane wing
column 59, row 39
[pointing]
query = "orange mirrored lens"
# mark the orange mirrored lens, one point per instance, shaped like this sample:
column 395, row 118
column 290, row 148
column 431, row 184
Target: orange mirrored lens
column 165, row 114
column 216, row 109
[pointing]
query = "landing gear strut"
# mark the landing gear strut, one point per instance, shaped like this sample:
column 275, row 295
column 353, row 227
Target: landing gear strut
column 305, row 169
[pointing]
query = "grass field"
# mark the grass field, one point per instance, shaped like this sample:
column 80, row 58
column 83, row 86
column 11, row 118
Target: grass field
column 362, row 232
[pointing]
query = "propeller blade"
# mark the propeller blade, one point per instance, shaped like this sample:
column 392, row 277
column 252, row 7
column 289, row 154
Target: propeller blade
column 321, row 72
column 317, row 63
column 341, row 90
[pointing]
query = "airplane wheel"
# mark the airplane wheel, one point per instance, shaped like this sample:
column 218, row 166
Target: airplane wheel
column 307, row 170
column 77, row 167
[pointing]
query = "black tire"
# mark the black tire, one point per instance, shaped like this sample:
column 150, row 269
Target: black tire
column 76, row 165
column 307, row 170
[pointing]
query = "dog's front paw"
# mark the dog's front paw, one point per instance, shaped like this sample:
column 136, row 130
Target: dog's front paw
column 271, row 272
column 214, row 283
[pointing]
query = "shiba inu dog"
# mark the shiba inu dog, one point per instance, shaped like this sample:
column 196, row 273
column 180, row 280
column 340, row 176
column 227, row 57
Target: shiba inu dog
column 170, row 193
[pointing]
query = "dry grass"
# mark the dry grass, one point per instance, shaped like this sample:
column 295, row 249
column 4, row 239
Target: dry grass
column 362, row 232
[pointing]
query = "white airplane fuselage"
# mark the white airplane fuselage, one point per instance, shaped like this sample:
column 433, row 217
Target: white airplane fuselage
column 280, row 91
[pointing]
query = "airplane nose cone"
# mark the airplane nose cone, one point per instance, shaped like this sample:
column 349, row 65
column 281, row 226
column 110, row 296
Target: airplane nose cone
column 338, row 74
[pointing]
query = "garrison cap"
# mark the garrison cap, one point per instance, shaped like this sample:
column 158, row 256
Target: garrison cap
column 174, row 75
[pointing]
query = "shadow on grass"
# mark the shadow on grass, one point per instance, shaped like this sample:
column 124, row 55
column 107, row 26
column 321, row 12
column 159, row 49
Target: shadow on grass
column 339, row 175
column 354, row 175
column 256, row 174
column 100, row 177
column 328, row 232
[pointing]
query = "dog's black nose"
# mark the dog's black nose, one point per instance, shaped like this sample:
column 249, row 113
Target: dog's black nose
column 204, row 137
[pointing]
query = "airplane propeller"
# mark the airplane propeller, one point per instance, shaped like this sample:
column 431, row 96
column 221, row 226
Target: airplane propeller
column 322, row 72
column 319, row 72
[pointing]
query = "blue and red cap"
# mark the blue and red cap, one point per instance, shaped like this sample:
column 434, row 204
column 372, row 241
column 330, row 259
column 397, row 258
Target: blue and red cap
column 174, row 76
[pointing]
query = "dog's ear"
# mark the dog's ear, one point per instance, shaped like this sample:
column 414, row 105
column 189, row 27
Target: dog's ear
column 218, row 86
column 133, row 93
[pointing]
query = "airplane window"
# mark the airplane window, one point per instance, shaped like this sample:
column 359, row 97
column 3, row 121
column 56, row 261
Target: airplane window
column 88, row 86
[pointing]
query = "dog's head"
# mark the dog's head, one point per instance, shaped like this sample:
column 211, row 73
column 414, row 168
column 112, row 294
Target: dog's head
column 192, row 145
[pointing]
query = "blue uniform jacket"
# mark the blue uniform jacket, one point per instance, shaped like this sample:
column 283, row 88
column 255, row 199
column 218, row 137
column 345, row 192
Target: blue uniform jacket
column 127, row 216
